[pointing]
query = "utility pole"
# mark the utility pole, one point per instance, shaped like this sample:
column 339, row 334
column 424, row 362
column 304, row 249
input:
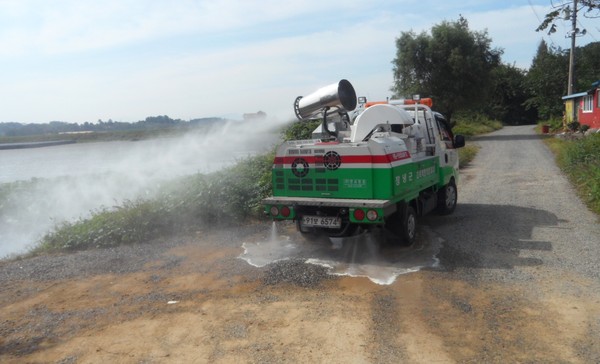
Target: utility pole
column 574, row 32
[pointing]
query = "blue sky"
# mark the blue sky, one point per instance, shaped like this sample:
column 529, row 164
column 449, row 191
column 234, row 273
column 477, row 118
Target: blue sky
column 81, row 60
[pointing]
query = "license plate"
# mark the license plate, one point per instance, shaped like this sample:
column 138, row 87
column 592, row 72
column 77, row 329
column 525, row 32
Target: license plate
column 322, row 221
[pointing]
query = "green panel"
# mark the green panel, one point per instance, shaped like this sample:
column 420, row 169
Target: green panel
column 446, row 173
column 320, row 182
column 400, row 183
column 411, row 178
column 384, row 183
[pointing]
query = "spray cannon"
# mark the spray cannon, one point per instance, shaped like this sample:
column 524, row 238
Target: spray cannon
column 337, row 98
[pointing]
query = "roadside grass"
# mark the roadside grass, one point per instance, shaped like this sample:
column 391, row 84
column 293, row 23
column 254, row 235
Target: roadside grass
column 466, row 154
column 579, row 159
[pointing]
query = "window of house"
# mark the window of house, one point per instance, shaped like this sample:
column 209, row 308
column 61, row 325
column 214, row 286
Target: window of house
column 588, row 103
column 598, row 97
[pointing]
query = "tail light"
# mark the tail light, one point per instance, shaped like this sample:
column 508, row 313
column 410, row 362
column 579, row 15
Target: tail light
column 285, row 211
column 274, row 211
column 359, row 215
column 372, row 215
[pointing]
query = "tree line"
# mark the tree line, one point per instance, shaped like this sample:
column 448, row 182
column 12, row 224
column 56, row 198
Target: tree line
column 463, row 73
column 11, row 129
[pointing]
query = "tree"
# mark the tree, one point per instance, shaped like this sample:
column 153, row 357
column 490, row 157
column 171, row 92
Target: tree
column 453, row 65
column 565, row 9
column 570, row 9
column 508, row 96
column 588, row 65
column 547, row 81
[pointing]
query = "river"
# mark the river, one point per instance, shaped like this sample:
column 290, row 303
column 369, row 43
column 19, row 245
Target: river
column 94, row 158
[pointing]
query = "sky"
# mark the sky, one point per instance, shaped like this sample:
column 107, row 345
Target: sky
column 124, row 60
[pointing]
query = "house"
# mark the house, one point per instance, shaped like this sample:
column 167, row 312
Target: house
column 584, row 107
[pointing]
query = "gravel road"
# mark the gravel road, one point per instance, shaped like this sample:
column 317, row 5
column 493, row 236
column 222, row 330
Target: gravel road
column 511, row 276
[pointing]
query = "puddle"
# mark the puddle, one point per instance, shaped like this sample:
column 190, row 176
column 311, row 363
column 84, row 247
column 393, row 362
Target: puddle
column 358, row 256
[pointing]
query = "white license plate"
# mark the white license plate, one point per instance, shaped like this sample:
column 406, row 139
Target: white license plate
column 322, row 221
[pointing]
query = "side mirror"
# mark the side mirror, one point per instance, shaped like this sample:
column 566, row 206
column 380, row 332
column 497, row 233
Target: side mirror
column 459, row 141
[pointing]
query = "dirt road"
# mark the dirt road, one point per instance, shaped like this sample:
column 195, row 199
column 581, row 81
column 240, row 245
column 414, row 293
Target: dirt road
column 512, row 276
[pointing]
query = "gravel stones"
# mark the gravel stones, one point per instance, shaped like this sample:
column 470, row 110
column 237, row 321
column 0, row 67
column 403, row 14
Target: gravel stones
column 296, row 272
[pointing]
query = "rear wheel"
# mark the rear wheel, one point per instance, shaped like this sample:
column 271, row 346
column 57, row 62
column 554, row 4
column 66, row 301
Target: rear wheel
column 409, row 226
column 402, row 226
column 447, row 198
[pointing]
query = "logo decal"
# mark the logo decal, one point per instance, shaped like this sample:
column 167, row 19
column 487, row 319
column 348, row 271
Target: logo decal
column 332, row 160
column 299, row 167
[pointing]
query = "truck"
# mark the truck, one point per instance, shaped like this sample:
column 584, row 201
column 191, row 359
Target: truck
column 369, row 165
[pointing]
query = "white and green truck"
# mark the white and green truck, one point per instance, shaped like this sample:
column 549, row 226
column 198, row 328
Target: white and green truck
column 369, row 165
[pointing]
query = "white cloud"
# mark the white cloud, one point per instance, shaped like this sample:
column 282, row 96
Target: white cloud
column 81, row 60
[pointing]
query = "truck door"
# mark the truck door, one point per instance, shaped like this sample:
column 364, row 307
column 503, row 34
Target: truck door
column 448, row 153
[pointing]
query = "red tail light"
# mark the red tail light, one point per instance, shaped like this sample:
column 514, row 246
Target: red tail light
column 359, row 215
column 285, row 211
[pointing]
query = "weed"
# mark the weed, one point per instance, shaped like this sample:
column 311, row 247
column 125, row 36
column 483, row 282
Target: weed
column 580, row 160
column 466, row 154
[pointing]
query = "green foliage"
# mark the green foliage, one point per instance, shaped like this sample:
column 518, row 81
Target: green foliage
column 580, row 159
column 300, row 130
column 453, row 65
column 547, row 81
column 563, row 10
column 555, row 124
column 133, row 222
column 470, row 124
column 508, row 95
column 588, row 64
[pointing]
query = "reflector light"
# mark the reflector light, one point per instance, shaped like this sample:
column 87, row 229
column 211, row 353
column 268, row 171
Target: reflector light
column 359, row 215
column 372, row 215
column 285, row 211
column 274, row 211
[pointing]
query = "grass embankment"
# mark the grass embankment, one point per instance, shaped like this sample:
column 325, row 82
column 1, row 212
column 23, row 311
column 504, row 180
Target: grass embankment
column 580, row 160
column 225, row 198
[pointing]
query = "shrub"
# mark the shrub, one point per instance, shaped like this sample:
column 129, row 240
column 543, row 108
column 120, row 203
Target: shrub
column 584, row 128
column 474, row 123
column 556, row 124
column 573, row 126
column 300, row 130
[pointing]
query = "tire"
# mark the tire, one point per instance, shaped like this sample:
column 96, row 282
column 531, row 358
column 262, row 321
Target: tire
column 447, row 198
column 401, row 226
column 409, row 226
